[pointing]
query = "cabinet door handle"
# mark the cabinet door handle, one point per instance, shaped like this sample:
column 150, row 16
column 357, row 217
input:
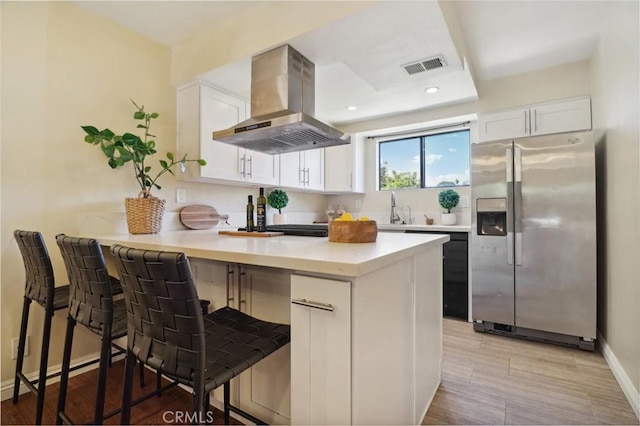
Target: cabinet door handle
column 308, row 178
column 241, row 277
column 535, row 120
column 301, row 176
column 242, row 166
column 311, row 304
column 229, row 284
column 250, row 161
column 525, row 122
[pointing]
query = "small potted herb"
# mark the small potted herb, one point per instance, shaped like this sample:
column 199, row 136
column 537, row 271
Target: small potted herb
column 278, row 199
column 448, row 199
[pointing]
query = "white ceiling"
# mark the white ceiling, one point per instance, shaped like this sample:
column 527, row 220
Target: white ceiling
column 358, row 59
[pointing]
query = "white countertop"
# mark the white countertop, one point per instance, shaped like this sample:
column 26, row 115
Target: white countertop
column 425, row 228
column 309, row 254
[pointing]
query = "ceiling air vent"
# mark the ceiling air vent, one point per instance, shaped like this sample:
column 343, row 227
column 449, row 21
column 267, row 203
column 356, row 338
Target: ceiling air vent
column 424, row 65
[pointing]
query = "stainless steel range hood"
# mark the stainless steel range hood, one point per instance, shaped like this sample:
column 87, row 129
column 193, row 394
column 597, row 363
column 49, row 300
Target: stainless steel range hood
column 282, row 107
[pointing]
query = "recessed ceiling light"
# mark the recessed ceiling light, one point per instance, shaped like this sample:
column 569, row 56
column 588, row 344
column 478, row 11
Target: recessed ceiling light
column 433, row 89
column 352, row 107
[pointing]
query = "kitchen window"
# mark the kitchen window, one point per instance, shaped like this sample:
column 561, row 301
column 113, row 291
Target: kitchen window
column 424, row 161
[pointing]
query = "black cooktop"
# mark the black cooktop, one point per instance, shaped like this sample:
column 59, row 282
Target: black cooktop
column 315, row 230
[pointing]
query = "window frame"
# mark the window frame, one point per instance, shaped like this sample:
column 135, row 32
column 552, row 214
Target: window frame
column 422, row 136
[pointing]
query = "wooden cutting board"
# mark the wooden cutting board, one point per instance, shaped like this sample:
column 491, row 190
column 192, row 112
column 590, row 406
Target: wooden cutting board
column 199, row 217
column 251, row 234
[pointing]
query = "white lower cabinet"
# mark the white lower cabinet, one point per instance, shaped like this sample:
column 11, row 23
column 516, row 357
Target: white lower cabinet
column 320, row 351
column 264, row 390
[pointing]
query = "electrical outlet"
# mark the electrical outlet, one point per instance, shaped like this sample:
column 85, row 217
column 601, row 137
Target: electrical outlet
column 181, row 195
column 358, row 204
column 14, row 347
column 464, row 201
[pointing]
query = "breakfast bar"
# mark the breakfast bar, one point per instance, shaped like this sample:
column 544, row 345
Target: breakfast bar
column 366, row 340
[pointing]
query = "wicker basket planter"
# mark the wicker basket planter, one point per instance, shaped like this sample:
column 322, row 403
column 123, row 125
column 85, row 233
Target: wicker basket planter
column 144, row 213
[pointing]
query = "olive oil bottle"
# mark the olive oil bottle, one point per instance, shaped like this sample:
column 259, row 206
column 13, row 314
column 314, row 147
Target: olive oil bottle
column 261, row 212
column 250, row 224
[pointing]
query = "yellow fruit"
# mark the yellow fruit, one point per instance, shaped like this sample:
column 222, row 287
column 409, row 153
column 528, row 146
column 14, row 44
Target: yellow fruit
column 364, row 218
column 337, row 219
column 346, row 216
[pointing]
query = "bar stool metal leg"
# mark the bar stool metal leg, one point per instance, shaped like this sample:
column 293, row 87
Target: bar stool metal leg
column 66, row 363
column 227, row 408
column 44, row 357
column 130, row 362
column 21, row 344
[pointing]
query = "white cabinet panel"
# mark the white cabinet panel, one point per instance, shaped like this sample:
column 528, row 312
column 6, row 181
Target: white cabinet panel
column 344, row 167
column 303, row 169
column 265, row 389
column 539, row 119
column 219, row 111
column 320, row 351
column 507, row 124
column 558, row 117
column 203, row 110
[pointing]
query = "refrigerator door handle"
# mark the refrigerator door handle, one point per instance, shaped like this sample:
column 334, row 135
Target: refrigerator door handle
column 517, row 163
column 509, row 169
column 517, row 203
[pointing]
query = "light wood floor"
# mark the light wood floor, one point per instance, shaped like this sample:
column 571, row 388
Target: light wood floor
column 489, row 379
column 486, row 379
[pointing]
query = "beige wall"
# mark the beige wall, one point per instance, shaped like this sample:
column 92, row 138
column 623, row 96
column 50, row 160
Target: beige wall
column 63, row 67
column 616, row 119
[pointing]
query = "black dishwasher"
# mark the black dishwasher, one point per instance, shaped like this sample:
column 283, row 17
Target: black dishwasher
column 455, row 271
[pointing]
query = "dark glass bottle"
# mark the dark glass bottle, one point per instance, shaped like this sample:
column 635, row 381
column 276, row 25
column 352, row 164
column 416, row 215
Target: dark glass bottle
column 261, row 212
column 250, row 224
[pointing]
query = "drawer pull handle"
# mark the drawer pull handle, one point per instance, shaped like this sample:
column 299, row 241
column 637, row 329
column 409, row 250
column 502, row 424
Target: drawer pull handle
column 309, row 303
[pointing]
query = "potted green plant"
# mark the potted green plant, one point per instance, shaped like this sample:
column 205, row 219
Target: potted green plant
column 448, row 199
column 144, row 213
column 278, row 199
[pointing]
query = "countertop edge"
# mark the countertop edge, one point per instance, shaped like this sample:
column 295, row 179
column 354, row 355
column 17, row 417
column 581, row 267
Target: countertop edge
column 321, row 266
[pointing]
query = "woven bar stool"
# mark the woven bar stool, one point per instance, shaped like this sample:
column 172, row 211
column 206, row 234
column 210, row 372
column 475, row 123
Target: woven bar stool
column 91, row 304
column 168, row 331
column 40, row 288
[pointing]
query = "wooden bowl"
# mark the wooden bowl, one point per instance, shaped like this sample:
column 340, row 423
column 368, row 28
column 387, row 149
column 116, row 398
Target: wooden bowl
column 353, row 231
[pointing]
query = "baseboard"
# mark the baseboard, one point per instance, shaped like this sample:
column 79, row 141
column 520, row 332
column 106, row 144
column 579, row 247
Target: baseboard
column 633, row 396
column 7, row 385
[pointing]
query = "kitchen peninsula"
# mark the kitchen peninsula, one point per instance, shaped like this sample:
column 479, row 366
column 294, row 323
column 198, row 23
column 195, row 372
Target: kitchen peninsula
column 366, row 341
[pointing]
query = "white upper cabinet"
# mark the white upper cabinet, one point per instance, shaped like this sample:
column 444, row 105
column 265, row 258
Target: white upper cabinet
column 539, row 119
column 344, row 167
column 303, row 169
column 201, row 111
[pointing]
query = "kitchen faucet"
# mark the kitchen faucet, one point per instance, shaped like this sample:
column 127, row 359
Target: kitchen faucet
column 393, row 218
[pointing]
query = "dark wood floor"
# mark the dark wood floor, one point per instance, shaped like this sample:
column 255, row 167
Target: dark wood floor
column 486, row 379
column 81, row 400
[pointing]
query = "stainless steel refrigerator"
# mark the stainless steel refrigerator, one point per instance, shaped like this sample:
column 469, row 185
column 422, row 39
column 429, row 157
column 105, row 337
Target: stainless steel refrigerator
column 533, row 242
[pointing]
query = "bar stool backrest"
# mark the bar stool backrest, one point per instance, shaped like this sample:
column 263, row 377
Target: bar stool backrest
column 90, row 299
column 40, row 283
column 164, row 316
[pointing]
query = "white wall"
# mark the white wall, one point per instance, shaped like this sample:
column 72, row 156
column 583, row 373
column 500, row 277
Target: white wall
column 561, row 82
column 615, row 75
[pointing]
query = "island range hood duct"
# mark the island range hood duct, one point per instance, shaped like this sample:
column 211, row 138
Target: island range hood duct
column 282, row 107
